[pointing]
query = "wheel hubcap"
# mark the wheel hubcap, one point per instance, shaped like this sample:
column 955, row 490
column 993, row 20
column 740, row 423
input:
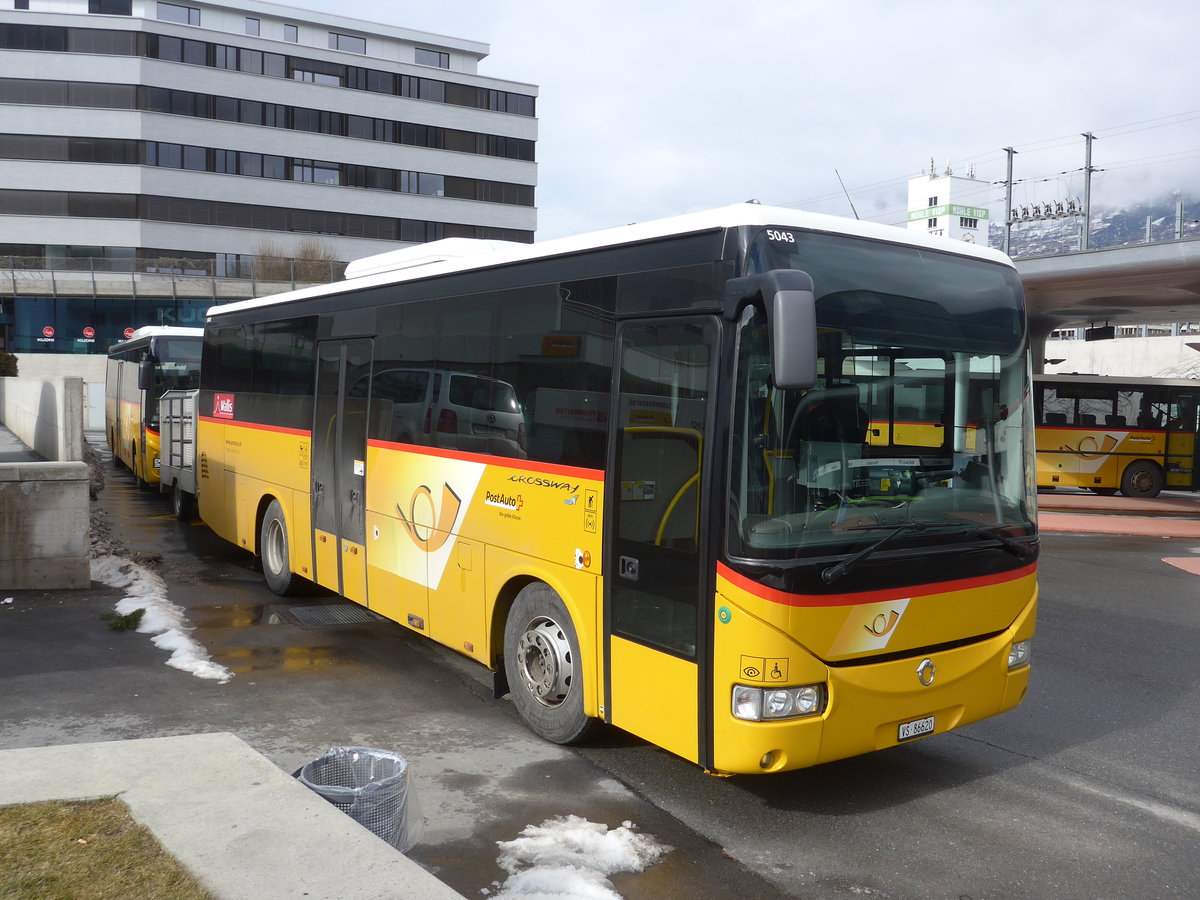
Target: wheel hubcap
column 544, row 661
column 273, row 547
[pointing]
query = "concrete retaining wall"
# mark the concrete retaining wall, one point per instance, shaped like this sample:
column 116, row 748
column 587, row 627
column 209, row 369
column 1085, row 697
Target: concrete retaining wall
column 88, row 366
column 44, row 525
column 46, row 414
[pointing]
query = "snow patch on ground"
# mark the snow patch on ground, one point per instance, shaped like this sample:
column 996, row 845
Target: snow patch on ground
column 570, row 857
column 165, row 620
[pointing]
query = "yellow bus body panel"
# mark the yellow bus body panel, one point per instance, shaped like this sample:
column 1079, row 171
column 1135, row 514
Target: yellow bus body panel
column 448, row 532
column 866, row 702
column 1097, row 457
column 667, row 689
column 240, row 468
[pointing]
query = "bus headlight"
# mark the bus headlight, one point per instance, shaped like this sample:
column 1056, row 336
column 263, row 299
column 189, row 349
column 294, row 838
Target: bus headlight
column 756, row 704
column 1018, row 654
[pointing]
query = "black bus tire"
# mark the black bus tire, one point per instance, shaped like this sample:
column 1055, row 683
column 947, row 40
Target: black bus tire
column 1141, row 479
column 544, row 667
column 183, row 504
column 273, row 548
column 142, row 483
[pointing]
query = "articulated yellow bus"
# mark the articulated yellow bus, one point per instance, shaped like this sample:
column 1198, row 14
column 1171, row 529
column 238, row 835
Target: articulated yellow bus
column 153, row 360
column 1107, row 433
column 630, row 473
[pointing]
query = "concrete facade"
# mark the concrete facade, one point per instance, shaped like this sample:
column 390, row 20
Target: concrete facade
column 1141, row 357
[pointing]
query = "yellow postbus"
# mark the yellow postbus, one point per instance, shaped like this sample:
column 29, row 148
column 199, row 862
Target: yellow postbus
column 629, row 472
column 152, row 360
column 1108, row 433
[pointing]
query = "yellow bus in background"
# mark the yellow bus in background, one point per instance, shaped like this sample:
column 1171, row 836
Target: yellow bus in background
column 630, row 473
column 153, row 360
column 1107, row 433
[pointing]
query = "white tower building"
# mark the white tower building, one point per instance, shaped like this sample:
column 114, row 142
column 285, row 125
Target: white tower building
column 949, row 205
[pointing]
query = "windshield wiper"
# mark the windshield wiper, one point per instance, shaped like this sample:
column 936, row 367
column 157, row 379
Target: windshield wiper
column 1013, row 546
column 833, row 573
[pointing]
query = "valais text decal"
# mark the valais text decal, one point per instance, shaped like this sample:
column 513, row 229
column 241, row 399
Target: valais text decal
column 223, row 406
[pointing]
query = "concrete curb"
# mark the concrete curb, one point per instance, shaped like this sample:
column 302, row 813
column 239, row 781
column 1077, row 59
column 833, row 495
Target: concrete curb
column 245, row 828
column 1132, row 525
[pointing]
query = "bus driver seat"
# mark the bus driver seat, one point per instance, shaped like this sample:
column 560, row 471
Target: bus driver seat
column 828, row 426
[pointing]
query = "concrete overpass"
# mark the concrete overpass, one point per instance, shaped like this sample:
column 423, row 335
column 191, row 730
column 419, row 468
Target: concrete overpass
column 1132, row 285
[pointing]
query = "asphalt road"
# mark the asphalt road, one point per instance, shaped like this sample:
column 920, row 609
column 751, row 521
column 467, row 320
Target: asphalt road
column 1090, row 789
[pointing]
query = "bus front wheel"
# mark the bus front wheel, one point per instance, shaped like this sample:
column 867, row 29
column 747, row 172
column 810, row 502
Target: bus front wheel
column 273, row 548
column 543, row 665
column 142, row 483
column 1142, row 479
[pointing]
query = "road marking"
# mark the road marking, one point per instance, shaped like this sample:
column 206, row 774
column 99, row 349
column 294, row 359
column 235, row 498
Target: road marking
column 1172, row 814
column 1187, row 563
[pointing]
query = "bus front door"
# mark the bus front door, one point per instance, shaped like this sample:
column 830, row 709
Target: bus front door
column 339, row 454
column 1183, row 441
column 658, row 586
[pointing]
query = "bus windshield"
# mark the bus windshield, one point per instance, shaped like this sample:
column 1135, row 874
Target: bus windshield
column 176, row 368
column 920, row 420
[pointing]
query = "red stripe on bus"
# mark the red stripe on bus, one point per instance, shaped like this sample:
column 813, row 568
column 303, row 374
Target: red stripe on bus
column 299, row 432
column 1104, row 429
column 506, row 461
column 783, row 598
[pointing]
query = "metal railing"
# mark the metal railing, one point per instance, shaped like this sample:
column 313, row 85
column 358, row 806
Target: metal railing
column 163, row 275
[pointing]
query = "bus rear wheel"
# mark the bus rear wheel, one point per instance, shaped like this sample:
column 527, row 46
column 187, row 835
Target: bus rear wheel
column 543, row 665
column 273, row 548
column 1142, row 479
column 183, row 504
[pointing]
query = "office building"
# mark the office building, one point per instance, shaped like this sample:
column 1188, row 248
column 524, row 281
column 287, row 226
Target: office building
column 157, row 158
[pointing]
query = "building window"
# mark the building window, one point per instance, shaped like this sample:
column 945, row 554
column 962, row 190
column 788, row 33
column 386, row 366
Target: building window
column 932, row 223
column 932, row 201
column 433, row 58
column 102, row 7
column 173, row 12
column 964, row 222
column 252, row 26
column 346, row 42
column 314, row 171
column 291, row 33
column 24, row 4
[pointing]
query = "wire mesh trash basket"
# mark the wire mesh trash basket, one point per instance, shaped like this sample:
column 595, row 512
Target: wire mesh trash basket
column 373, row 786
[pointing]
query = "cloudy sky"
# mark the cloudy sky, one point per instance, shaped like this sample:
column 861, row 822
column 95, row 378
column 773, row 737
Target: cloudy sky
column 649, row 108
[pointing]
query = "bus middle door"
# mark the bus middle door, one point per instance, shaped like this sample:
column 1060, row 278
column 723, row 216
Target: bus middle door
column 658, row 585
column 339, row 454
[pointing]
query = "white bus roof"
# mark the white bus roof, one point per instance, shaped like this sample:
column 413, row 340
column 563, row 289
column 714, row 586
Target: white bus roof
column 462, row 254
column 165, row 331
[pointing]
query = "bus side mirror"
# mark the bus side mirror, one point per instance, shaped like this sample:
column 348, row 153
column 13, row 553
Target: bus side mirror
column 146, row 374
column 793, row 321
column 791, row 307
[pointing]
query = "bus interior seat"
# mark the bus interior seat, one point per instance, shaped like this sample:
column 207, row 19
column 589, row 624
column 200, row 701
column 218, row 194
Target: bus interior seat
column 1054, row 418
column 1114, row 421
column 1087, row 420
